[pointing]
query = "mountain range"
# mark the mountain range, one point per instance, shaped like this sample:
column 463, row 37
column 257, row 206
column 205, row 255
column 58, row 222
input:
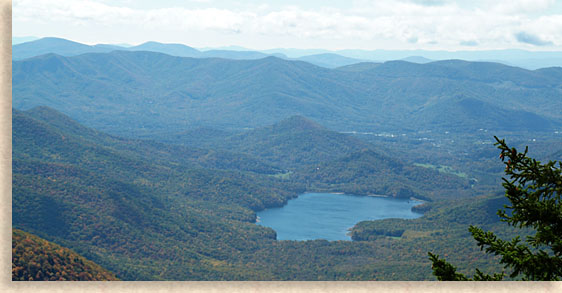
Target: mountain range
column 153, row 165
column 152, row 211
column 31, row 46
column 513, row 57
column 65, row 47
column 146, row 93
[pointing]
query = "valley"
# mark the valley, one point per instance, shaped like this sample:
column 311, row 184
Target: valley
column 108, row 197
column 156, row 166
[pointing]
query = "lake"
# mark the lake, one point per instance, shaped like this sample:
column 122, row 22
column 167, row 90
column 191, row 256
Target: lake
column 329, row 216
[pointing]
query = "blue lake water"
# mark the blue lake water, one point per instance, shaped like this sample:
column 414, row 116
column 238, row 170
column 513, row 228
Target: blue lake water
column 329, row 216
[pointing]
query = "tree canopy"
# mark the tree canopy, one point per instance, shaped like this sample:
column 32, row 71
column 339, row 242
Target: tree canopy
column 534, row 192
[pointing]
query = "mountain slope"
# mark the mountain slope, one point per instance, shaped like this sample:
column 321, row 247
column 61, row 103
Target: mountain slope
column 36, row 259
column 368, row 172
column 358, row 67
column 236, row 55
column 466, row 112
column 52, row 45
column 170, row 49
column 54, row 128
column 150, row 91
column 144, row 216
column 124, row 209
column 65, row 47
column 417, row 59
column 443, row 230
column 294, row 142
column 329, row 60
column 143, row 93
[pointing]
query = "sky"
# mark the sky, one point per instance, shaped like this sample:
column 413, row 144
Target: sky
column 311, row 24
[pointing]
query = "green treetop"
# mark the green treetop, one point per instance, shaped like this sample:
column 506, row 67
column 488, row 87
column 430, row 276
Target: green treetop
column 534, row 191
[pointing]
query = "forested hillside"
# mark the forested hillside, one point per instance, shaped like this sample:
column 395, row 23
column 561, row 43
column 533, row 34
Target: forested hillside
column 35, row 259
column 149, row 211
column 368, row 172
column 293, row 142
column 122, row 209
column 326, row 160
column 147, row 93
column 153, row 164
column 443, row 228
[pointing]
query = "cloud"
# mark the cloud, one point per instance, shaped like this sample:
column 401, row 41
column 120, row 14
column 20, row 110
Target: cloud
column 527, row 38
column 426, row 23
column 429, row 2
column 523, row 7
column 93, row 13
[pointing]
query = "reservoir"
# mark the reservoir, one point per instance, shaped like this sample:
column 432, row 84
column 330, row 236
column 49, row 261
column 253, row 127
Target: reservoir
column 329, row 216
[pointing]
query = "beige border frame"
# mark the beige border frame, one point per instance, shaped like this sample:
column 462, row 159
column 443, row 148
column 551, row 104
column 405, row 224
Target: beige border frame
column 6, row 284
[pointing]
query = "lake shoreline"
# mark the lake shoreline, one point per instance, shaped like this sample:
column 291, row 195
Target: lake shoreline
column 323, row 215
column 370, row 195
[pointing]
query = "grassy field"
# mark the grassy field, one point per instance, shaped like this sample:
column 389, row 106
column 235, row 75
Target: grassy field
column 443, row 169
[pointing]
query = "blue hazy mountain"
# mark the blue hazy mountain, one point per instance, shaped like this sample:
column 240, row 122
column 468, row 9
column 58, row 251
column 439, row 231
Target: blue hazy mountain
column 136, row 93
column 36, row 47
column 186, row 51
column 170, row 49
column 53, row 45
column 325, row 58
column 329, row 60
column 358, row 67
column 514, row 57
column 417, row 59
column 226, row 54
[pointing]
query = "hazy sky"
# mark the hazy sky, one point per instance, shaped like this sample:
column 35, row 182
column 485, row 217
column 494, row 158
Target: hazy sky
column 327, row 24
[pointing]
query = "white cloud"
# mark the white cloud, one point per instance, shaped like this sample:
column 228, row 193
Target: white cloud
column 489, row 24
column 518, row 6
column 100, row 13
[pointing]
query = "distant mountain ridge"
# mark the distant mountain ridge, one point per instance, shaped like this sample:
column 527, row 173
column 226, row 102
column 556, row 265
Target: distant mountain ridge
column 52, row 45
column 329, row 60
column 146, row 92
column 29, row 47
column 69, row 48
column 417, row 59
column 63, row 47
column 526, row 59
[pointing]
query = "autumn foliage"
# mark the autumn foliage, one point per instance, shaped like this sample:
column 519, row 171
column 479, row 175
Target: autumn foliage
column 35, row 259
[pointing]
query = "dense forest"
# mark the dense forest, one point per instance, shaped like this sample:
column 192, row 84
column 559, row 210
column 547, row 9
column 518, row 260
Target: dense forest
column 152, row 211
column 154, row 164
column 147, row 93
column 36, row 259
